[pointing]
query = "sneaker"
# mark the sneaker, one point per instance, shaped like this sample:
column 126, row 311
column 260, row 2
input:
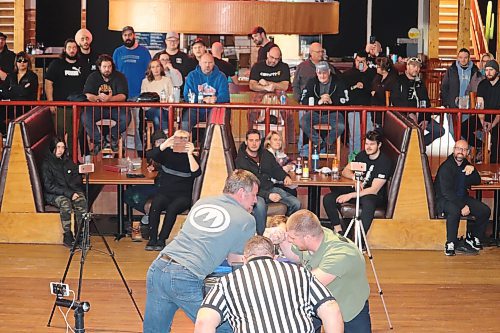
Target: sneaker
column 473, row 242
column 159, row 245
column 97, row 149
column 68, row 239
column 136, row 232
column 150, row 246
column 145, row 220
column 114, row 146
column 466, row 249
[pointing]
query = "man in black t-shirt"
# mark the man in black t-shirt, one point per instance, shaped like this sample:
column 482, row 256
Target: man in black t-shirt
column 488, row 95
column 225, row 67
column 180, row 60
column 106, row 85
column 259, row 37
column 64, row 81
column 271, row 74
column 83, row 38
column 373, row 192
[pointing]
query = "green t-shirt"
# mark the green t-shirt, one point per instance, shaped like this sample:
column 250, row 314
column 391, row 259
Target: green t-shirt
column 339, row 256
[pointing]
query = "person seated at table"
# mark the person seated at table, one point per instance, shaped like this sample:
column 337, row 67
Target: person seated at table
column 106, row 85
column 20, row 85
column 156, row 81
column 373, row 192
column 178, row 168
column 252, row 157
column 62, row 187
column 274, row 144
column 139, row 197
column 174, row 74
column 324, row 89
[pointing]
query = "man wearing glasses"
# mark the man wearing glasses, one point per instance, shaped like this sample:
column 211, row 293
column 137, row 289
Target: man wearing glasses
column 453, row 179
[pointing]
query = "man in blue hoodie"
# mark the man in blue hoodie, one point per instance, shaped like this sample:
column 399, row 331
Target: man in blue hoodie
column 208, row 85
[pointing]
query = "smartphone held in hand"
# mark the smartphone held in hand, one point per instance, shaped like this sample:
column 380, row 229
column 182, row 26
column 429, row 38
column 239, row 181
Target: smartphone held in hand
column 180, row 144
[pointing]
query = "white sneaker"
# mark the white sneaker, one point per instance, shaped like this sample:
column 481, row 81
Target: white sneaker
column 145, row 220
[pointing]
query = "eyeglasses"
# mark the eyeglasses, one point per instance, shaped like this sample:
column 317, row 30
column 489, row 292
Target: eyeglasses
column 21, row 60
column 464, row 150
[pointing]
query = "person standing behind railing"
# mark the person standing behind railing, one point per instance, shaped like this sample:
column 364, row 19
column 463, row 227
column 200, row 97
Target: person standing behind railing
column 410, row 91
column 358, row 81
column 20, row 85
column 385, row 80
column 488, row 96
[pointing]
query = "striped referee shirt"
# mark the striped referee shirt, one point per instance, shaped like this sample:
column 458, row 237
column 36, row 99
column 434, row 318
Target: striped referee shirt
column 268, row 296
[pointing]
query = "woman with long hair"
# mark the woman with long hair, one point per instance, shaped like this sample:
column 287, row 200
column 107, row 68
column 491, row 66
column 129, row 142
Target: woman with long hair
column 274, row 144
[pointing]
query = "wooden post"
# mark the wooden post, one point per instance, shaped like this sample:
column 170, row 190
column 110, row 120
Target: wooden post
column 19, row 25
column 463, row 38
column 433, row 39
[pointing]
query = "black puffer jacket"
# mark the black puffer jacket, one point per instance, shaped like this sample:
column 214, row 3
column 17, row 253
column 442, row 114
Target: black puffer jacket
column 60, row 177
column 267, row 168
column 450, row 85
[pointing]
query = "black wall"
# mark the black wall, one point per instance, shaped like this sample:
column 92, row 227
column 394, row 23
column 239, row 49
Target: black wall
column 105, row 41
column 57, row 20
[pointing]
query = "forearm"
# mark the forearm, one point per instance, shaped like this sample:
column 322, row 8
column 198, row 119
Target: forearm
column 49, row 90
column 286, row 248
column 255, row 86
column 193, row 164
column 118, row 98
column 283, row 85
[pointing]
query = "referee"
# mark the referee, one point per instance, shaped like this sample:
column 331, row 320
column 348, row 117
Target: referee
column 268, row 296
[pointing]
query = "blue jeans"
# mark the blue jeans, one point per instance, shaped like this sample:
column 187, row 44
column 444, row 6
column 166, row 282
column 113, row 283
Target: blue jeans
column 354, row 121
column 159, row 117
column 334, row 119
column 260, row 214
column 193, row 116
column 291, row 202
column 170, row 286
column 93, row 114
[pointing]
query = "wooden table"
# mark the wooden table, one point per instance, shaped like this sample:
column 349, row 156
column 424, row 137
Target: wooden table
column 314, row 184
column 487, row 170
column 100, row 176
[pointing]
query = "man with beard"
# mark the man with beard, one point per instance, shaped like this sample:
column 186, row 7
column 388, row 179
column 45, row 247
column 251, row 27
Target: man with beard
column 410, row 91
column 373, row 192
column 64, row 81
column 488, row 95
column 259, row 37
column 259, row 161
column 132, row 60
column 106, row 85
column 453, row 179
column 83, row 38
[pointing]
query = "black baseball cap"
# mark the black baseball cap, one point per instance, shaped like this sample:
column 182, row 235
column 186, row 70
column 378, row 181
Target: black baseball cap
column 198, row 40
column 158, row 135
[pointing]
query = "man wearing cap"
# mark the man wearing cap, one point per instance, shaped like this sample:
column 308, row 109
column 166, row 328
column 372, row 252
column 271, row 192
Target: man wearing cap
column 325, row 89
column 259, row 37
column 132, row 60
column 83, row 38
column 410, row 91
column 224, row 66
column 209, row 86
column 6, row 58
column 306, row 70
column 198, row 48
column 180, row 60
column 488, row 95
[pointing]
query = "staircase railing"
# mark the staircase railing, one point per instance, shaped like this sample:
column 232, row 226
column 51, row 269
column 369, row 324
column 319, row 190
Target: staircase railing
column 479, row 41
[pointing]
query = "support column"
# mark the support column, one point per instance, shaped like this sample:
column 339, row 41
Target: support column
column 463, row 39
column 433, row 40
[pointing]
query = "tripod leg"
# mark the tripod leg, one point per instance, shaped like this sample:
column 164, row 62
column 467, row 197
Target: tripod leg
column 68, row 264
column 369, row 253
column 112, row 255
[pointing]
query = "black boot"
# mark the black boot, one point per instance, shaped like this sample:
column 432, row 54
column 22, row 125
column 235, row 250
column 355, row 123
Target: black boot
column 68, row 239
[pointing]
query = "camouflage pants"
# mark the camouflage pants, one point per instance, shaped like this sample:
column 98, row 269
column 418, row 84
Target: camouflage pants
column 66, row 205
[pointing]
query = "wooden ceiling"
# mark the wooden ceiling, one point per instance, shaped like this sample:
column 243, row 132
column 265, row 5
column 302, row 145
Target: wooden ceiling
column 225, row 17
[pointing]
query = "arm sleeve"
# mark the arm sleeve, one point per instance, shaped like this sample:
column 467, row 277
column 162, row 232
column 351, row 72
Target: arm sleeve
column 176, row 77
column 254, row 73
column 216, row 300
column 50, row 186
column 444, row 89
column 223, row 90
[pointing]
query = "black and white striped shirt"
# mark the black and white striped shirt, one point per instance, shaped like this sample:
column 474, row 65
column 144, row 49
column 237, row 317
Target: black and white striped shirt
column 268, row 296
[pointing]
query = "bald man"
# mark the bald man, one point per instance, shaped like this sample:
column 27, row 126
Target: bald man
column 83, row 38
column 306, row 70
column 271, row 74
column 224, row 66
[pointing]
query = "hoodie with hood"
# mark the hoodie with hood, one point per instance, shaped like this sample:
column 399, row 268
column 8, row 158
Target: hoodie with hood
column 450, row 86
column 266, row 169
column 214, row 83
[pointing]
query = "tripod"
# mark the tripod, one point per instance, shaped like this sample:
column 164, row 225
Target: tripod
column 83, row 238
column 360, row 236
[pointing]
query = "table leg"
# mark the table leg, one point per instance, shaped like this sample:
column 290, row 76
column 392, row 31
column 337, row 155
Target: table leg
column 120, row 210
column 313, row 195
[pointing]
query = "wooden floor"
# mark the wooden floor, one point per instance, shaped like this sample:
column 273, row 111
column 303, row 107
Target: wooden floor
column 425, row 291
